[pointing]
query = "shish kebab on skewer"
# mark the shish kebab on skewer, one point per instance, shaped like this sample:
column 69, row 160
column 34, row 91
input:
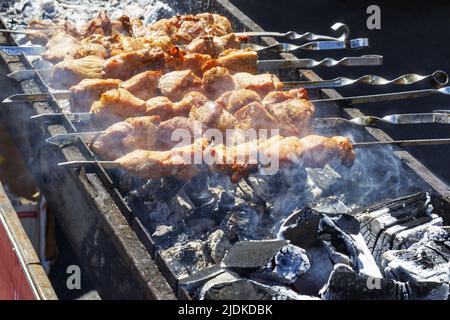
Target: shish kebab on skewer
column 201, row 33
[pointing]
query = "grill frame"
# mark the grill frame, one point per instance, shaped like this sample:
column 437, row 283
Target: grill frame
column 88, row 204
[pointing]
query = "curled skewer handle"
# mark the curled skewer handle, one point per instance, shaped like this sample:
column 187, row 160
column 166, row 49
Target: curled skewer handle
column 307, row 36
column 387, row 96
column 438, row 78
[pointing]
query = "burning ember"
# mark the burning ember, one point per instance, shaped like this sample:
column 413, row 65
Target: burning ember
column 228, row 227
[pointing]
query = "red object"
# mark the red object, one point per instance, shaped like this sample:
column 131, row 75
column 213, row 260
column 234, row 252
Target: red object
column 14, row 284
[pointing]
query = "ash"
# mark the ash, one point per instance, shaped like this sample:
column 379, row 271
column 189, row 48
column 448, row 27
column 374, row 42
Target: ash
column 19, row 13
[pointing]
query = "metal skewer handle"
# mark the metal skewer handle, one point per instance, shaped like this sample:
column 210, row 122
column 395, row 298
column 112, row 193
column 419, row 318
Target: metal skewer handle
column 307, row 36
column 312, row 46
column 438, row 78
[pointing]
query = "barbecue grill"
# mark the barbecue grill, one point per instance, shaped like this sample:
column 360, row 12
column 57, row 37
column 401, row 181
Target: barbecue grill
column 104, row 214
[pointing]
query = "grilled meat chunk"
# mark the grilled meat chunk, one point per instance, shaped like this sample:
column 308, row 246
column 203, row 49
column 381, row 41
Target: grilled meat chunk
column 171, row 131
column 118, row 104
column 176, row 84
column 179, row 162
column 191, row 61
column 40, row 31
column 125, row 65
column 240, row 160
column 214, row 46
column 235, row 60
column 126, row 136
column 293, row 116
column 70, row 72
column 255, row 116
column 216, row 81
column 143, row 85
column 160, row 106
column 236, row 99
column 90, row 90
column 260, row 83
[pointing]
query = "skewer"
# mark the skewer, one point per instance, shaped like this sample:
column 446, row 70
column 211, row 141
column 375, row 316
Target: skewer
column 308, row 36
column 438, row 78
column 387, row 96
column 292, row 35
column 27, row 50
column 412, row 118
column 313, row 46
column 346, row 100
column 261, row 65
column 403, row 143
column 367, row 121
column 279, row 47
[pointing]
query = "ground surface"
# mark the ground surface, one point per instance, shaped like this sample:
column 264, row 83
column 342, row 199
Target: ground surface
column 413, row 38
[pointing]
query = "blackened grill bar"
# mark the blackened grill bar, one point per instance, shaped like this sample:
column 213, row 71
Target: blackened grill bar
column 91, row 200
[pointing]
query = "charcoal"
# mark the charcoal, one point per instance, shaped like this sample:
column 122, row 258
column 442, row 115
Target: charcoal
column 330, row 205
column 426, row 260
column 346, row 284
column 273, row 259
column 240, row 224
column 200, row 226
column 218, row 244
column 163, row 235
column 186, row 259
column 396, row 223
column 193, row 282
column 326, row 179
column 229, row 286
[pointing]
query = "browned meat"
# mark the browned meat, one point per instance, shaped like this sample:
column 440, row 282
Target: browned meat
column 214, row 46
column 191, row 27
column 60, row 46
column 160, row 106
column 293, row 116
column 125, row 65
column 176, row 84
column 255, row 116
column 90, row 90
column 192, row 99
column 126, row 136
column 238, row 161
column 143, row 85
column 217, row 81
column 281, row 96
column 236, row 99
column 70, row 72
column 118, row 104
column 235, row 60
column 40, row 31
column 260, row 83
column 99, row 25
column 178, row 162
column 165, row 136
column 191, row 61
column 207, row 114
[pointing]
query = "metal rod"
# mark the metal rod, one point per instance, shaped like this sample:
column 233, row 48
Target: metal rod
column 312, row 46
column 386, row 96
column 21, row 75
column 273, row 65
column 27, row 50
column 438, row 78
column 70, row 138
column 82, row 163
column 308, row 36
column 402, row 143
column 34, row 97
